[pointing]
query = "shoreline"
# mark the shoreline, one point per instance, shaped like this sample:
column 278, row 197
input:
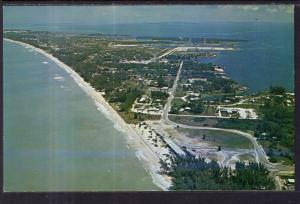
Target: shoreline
column 148, row 159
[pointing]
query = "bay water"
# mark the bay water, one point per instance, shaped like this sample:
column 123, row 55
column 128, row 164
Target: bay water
column 265, row 58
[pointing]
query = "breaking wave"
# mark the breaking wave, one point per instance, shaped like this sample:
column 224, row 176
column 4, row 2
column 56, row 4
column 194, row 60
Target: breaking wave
column 59, row 78
column 107, row 114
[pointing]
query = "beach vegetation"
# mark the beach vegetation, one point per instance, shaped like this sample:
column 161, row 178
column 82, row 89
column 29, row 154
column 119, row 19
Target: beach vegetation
column 194, row 173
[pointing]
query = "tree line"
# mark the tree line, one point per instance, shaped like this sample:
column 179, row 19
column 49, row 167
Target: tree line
column 194, row 173
column 277, row 123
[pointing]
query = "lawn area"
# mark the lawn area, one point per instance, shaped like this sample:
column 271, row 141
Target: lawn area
column 180, row 92
column 219, row 138
column 285, row 161
column 238, row 124
column 194, row 121
column 178, row 102
column 244, row 105
column 209, row 110
column 243, row 125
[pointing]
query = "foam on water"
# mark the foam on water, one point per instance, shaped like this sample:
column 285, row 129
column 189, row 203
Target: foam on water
column 59, row 78
column 100, row 107
column 107, row 114
column 119, row 128
column 79, row 84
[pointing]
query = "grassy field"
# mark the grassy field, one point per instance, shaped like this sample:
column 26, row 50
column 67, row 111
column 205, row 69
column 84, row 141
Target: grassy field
column 194, row 121
column 243, row 125
column 244, row 105
column 219, row 138
column 178, row 102
column 209, row 110
column 179, row 92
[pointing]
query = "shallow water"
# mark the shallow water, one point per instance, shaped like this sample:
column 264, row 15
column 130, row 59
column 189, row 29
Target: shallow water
column 55, row 139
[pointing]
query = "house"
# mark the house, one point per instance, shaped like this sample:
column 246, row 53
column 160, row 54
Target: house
column 194, row 98
column 143, row 98
column 229, row 110
column 151, row 89
column 181, row 109
column 291, row 181
column 187, row 108
column 186, row 85
column 219, row 70
column 197, row 79
column 164, row 89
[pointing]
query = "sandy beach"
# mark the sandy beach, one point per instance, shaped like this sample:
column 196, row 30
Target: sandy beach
column 148, row 158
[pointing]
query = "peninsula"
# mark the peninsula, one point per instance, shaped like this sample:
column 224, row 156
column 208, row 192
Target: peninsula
column 179, row 111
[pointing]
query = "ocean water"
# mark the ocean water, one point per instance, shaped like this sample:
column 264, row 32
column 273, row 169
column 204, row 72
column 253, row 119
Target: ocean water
column 265, row 59
column 55, row 139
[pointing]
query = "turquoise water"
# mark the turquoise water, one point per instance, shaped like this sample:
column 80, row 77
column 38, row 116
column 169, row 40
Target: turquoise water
column 55, row 139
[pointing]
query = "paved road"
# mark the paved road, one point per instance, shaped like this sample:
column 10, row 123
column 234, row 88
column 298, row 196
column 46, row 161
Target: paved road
column 170, row 142
column 260, row 153
column 196, row 48
column 231, row 104
column 166, row 111
column 261, row 156
column 167, row 53
column 209, row 116
column 197, row 116
column 168, row 104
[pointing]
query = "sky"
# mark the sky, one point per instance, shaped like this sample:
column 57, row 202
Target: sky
column 121, row 14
